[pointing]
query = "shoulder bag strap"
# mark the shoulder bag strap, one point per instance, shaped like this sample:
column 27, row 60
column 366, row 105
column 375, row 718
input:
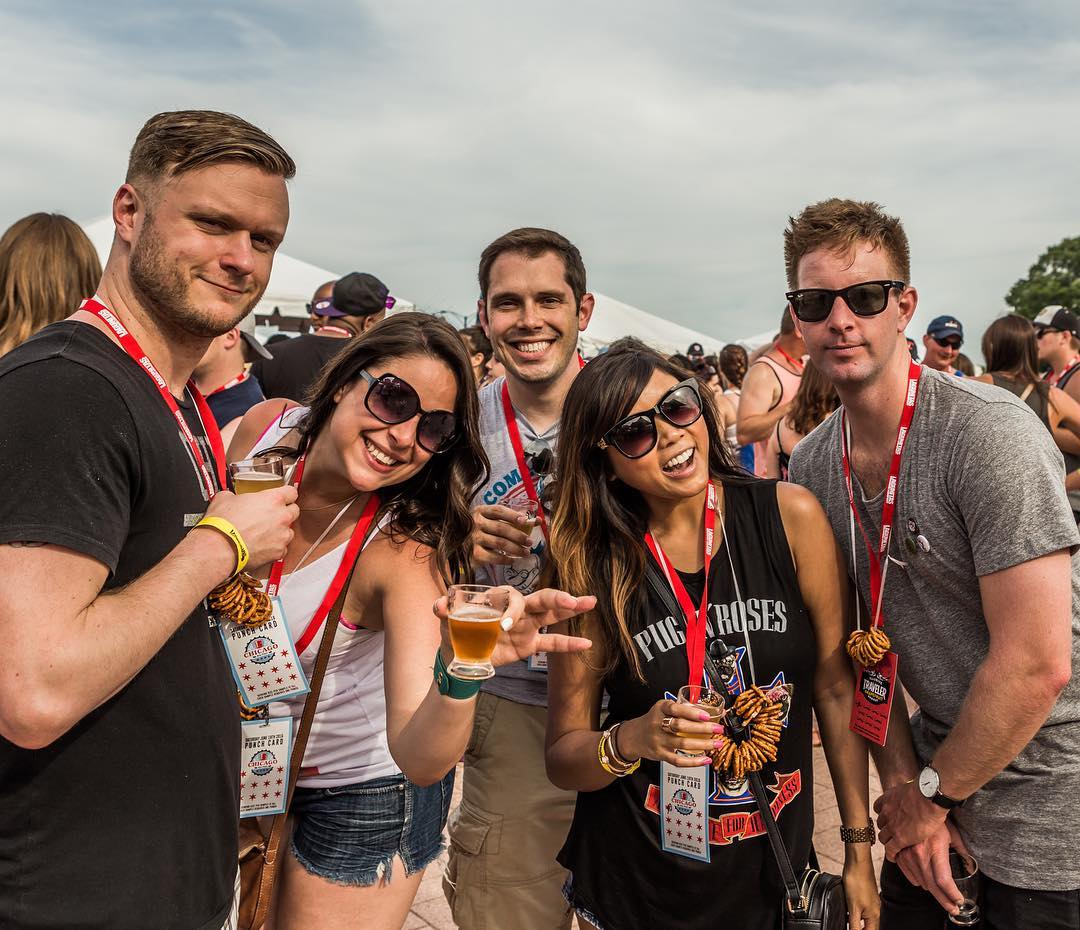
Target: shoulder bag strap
column 326, row 644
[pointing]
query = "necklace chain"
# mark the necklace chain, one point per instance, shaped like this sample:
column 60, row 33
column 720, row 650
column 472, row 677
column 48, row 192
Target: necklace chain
column 328, row 506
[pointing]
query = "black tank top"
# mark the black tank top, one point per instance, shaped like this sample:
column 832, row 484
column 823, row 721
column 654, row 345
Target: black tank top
column 619, row 871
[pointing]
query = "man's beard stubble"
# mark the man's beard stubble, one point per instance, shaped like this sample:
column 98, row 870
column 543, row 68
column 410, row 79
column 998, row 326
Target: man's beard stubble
column 163, row 290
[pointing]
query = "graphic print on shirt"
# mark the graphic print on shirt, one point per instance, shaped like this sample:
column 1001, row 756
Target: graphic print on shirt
column 509, row 490
column 729, row 825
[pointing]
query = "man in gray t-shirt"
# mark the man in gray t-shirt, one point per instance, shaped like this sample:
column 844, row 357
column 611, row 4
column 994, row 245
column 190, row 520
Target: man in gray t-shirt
column 512, row 821
column 980, row 599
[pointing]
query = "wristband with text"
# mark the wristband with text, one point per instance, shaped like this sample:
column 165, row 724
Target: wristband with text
column 457, row 688
column 224, row 527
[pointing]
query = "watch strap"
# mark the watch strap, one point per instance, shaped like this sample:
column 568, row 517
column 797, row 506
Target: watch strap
column 457, row 688
column 858, row 834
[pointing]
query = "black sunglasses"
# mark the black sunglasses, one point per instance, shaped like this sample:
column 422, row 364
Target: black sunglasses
column 635, row 435
column 949, row 342
column 814, row 304
column 393, row 401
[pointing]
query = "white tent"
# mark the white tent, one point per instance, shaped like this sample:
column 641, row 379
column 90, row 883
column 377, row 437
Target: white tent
column 292, row 282
column 612, row 319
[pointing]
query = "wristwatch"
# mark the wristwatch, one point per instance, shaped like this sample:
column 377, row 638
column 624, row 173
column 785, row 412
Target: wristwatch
column 929, row 785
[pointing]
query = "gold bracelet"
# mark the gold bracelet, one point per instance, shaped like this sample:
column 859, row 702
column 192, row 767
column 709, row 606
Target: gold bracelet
column 858, row 834
column 614, row 753
column 231, row 533
column 608, row 763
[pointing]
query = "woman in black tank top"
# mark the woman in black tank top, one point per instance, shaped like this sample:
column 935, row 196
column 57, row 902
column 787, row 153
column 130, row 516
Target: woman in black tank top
column 775, row 595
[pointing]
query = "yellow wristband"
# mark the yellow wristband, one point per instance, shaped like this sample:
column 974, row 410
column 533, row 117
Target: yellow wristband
column 233, row 534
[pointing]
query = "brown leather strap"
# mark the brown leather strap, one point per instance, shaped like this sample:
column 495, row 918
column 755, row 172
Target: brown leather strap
column 277, row 831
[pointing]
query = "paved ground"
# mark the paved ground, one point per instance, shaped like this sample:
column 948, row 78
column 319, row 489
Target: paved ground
column 431, row 913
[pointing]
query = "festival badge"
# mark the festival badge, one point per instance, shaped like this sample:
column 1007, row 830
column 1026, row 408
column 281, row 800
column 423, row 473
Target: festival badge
column 263, row 659
column 265, row 746
column 873, row 699
column 684, row 811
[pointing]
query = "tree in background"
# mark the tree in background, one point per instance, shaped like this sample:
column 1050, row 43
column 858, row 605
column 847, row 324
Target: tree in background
column 1053, row 279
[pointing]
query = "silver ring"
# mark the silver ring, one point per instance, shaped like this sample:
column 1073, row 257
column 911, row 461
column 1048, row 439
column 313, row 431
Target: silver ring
column 501, row 552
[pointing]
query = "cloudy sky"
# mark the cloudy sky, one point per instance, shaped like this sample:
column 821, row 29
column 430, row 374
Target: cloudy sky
column 670, row 141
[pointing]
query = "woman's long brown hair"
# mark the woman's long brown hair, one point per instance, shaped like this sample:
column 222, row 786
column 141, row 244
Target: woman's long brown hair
column 433, row 507
column 47, row 267
column 1010, row 346
column 815, row 399
column 599, row 523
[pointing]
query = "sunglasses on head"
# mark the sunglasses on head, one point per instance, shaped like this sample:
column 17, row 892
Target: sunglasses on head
column 392, row 401
column 635, row 435
column 949, row 342
column 814, row 304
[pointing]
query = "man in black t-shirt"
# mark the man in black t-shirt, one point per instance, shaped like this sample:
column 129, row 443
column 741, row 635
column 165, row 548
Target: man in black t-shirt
column 359, row 301
column 119, row 736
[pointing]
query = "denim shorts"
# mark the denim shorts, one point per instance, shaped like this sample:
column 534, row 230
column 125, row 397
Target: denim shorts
column 349, row 835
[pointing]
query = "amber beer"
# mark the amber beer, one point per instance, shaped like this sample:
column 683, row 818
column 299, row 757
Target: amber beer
column 251, row 481
column 474, row 630
column 261, row 473
column 705, row 699
column 476, row 612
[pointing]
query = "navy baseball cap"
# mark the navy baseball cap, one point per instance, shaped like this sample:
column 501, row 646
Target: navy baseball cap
column 941, row 327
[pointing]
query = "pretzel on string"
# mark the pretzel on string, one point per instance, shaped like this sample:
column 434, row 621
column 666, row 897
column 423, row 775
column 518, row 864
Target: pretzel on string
column 868, row 647
column 242, row 600
column 762, row 718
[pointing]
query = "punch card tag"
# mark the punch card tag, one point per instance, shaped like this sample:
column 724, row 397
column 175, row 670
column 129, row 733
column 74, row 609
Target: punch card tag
column 873, row 700
column 538, row 662
column 684, row 810
column 265, row 746
column 263, row 659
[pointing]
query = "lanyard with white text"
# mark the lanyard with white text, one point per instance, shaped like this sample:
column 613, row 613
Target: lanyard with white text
column 519, row 454
column 131, row 346
column 352, row 552
column 879, row 563
column 695, row 619
column 1055, row 376
column 239, row 379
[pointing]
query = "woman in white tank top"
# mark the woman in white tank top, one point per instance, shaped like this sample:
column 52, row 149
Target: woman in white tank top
column 391, row 434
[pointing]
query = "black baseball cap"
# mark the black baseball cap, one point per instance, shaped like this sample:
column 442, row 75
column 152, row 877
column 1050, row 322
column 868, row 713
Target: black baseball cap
column 357, row 294
column 1057, row 318
column 695, row 350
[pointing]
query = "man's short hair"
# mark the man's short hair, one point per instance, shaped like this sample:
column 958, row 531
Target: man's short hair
column 170, row 144
column 787, row 324
column 839, row 225
column 533, row 243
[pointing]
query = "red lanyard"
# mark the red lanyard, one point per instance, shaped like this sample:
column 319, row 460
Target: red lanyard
column 352, row 553
column 239, row 379
column 796, row 364
column 131, row 346
column 1055, row 376
column 695, row 619
column 888, row 507
column 519, row 454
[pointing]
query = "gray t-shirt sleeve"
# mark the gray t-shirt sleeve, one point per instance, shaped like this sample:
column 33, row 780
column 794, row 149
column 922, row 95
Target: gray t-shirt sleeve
column 1007, row 480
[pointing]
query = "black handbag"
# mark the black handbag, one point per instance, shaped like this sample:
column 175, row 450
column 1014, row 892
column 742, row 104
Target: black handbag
column 815, row 900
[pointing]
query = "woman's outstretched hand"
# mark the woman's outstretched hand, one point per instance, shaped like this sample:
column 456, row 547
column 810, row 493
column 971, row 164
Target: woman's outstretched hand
column 525, row 619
